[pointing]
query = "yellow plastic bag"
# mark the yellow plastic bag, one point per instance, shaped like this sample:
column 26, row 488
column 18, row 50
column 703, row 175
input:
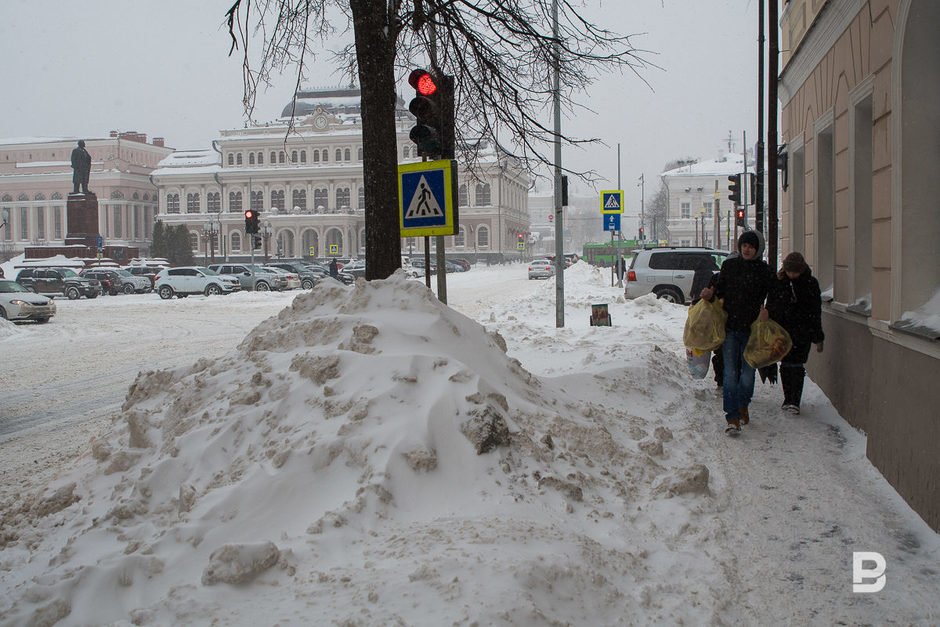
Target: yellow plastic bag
column 768, row 344
column 705, row 326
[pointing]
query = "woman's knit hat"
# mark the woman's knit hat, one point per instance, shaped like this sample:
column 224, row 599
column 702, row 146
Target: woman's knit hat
column 794, row 262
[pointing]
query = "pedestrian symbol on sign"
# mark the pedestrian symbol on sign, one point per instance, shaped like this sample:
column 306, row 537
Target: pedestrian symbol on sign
column 612, row 203
column 423, row 204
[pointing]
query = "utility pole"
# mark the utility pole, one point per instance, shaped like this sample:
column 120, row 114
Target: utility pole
column 642, row 209
column 772, row 215
column 759, row 157
column 559, row 213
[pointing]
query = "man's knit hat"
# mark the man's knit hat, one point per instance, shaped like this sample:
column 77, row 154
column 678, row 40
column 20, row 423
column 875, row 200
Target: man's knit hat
column 750, row 238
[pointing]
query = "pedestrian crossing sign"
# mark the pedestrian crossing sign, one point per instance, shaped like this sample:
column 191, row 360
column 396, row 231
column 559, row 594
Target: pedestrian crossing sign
column 427, row 198
column 612, row 201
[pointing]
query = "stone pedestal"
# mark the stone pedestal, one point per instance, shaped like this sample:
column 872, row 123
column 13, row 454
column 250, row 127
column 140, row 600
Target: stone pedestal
column 82, row 217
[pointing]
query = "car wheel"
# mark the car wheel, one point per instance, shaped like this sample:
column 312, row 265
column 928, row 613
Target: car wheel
column 3, row 313
column 307, row 285
column 669, row 294
column 261, row 286
column 165, row 292
column 213, row 290
column 72, row 293
column 128, row 289
column 42, row 320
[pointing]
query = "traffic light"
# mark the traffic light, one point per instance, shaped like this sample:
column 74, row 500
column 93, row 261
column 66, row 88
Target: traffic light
column 734, row 185
column 642, row 233
column 433, row 108
column 252, row 216
column 739, row 218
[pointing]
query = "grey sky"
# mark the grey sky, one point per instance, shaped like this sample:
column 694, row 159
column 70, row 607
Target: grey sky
column 161, row 68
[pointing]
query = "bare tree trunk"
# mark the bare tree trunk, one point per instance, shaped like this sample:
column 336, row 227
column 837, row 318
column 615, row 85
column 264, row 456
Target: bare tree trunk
column 375, row 50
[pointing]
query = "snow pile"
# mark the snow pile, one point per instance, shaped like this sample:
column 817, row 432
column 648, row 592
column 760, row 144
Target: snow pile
column 378, row 456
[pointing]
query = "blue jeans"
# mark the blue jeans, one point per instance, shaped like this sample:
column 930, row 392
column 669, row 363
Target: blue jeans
column 738, row 381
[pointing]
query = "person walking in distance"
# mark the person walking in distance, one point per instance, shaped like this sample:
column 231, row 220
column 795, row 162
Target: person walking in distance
column 334, row 269
column 81, row 168
column 743, row 283
column 795, row 304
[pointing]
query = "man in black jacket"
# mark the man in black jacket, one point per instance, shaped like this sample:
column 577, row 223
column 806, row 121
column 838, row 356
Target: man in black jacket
column 795, row 303
column 743, row 283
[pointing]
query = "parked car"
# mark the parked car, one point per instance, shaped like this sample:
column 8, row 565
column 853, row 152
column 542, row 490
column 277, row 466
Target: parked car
column 419, row 264
column 54, row 282
column 149, row 272
column 118, row 281
column 463, row 263
column 668, row 271
column 308, row 276
column 541, row 269
column 18, row 303
column 252, row 277
column 292, row 278
column 187, row 280
column 342, row 277
column 356, row 268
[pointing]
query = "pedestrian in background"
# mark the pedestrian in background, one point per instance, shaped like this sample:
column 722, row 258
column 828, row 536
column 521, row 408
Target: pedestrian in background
column 334, row 269
column 795, row 304
column 743, row 284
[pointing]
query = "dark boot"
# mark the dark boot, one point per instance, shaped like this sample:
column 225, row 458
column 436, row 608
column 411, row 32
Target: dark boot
column 791, row 378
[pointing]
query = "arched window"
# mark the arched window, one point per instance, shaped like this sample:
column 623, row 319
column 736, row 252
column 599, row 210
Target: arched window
column 303, row 156
column 22, row 197
column 7, row 198
column 135, row 196
column 251, row 158
column 293, row 156
column 339, row 155
column 192, row 203
column 316, row 156
column 320, row 200
column 273, row 157
column 359, row 151
column 483, row 195
column 39, row 196
column 58, row 196
column 299, row 199
column 277, row 199
column 362, row 197
column 342, row 197
column 193, row 241
column 461, row 237
column 260, row 158
column 483, row 236
column 214, row 202
column 238, row 159
column 236, row 240
column 462, row 199
column 231, row 158
column 235, row 201
column 281, row 157
column 257, row 200
column 117, row 194
column 347, row 155
column 326, row 155
column 172, row 203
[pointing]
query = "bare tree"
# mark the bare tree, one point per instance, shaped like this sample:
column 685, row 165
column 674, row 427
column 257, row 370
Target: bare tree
column 501, row 52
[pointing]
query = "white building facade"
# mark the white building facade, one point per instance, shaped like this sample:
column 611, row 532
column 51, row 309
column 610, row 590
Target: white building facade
column 306, row 179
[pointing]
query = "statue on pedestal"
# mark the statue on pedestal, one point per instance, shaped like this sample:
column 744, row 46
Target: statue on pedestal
column 81, row 166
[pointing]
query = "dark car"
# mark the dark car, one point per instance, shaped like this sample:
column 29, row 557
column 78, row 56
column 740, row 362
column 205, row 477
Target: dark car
column 324, row 273
column 117, row 281
column 54, row 282
column 308, row 277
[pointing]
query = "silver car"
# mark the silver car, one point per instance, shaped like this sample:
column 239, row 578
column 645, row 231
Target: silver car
column 668, row 272
column 541, row 269
column 18, row 303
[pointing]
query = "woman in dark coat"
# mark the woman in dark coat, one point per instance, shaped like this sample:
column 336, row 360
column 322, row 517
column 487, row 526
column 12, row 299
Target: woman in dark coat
column 795, row 303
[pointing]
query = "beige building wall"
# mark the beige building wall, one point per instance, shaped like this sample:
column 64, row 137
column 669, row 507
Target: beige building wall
column 861, row 207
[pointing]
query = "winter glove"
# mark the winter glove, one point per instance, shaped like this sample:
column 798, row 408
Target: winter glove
column 819, row 347
column 768, row 373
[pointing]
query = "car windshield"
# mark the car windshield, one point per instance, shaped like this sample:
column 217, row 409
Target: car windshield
column 67, row 272
column 7, row 287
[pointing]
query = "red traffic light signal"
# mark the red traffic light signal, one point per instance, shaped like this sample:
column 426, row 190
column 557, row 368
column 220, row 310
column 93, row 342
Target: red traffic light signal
column 739, row 218
column 423, row 82
column 433, row 108
column 251, row 221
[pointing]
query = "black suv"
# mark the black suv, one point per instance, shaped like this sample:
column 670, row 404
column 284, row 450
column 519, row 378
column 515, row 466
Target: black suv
column 53, row 282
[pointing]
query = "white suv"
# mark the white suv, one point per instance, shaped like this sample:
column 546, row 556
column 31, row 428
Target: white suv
column 182, row 282
column 668, row 272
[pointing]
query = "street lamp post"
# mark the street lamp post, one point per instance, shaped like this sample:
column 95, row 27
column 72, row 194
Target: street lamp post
column 266, row 231
column 210, row 230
